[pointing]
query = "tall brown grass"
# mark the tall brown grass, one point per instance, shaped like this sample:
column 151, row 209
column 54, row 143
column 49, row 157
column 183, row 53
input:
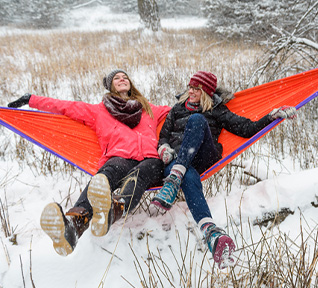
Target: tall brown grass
column 71, row 65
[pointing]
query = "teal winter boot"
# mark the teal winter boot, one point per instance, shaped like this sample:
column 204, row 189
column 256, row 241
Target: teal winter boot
column 168, row 193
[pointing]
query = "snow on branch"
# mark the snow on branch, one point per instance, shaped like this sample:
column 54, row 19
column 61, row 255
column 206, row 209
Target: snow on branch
column 290, row 52
column 87, row 4
column 306, row 42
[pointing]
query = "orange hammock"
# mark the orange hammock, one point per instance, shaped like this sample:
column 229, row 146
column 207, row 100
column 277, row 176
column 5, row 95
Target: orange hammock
column 78, row 144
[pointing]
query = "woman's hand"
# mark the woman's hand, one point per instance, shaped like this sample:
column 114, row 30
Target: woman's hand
column 21, row 101
column 166, row 153
column 284, row 112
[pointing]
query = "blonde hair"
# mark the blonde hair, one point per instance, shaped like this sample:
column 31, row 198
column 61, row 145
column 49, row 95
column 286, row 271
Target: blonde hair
column 206, row 101
column 133, row 94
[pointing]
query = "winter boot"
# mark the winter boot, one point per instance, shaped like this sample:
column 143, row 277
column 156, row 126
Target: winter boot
column 119, row 207
column 220, row 244
column 168, row 193
column 64, row 232
column 100, row 197
column 79, row 217
column 126, row 194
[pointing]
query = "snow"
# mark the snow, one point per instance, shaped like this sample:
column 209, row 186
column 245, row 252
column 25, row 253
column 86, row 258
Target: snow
column 27, row 195
column 110, row 259
column 101, row 18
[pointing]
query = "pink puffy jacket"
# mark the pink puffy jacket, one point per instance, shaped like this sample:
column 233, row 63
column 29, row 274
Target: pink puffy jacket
column 115, row 138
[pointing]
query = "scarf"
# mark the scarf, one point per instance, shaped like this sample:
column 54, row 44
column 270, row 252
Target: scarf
column 127, row 112
column 192, row 106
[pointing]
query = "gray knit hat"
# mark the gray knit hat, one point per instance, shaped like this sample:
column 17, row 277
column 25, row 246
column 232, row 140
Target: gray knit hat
column 107, row 81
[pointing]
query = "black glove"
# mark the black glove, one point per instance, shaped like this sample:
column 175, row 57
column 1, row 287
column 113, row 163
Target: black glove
column 21, row 101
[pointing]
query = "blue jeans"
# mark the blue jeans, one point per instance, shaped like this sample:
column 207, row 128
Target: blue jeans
column 197, row 153
column 197, row 148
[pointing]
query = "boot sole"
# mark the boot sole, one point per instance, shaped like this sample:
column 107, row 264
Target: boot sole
column 161, row 204
column 224, row 241
column 99, row 196
column 52, row 223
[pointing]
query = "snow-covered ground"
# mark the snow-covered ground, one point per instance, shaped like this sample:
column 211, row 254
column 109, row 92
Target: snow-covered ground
column 101, row 18
column 95, row 19
column 92, row 260
column 110, row 259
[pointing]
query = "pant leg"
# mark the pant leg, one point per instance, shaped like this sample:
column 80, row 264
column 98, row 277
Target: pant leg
column 115, row 169
column 197, row 148
column 149, row 173
column 192, row 188
column 197, row 153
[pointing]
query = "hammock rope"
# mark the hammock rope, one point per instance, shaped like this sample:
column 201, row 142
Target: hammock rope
column 78, row 145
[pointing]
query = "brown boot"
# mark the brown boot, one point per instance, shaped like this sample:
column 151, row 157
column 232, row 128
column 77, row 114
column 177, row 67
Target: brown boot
column 99, row 196
column 63, row 232
column 118, row 207
column 79, row 217
column 107, row 208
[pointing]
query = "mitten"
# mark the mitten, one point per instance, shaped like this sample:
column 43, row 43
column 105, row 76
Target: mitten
column 166, row 153
column 284, row 112
column 21, row 101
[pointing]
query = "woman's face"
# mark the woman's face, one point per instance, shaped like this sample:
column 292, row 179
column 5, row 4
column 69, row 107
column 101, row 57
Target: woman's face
column 121, row 83
column 194, row 94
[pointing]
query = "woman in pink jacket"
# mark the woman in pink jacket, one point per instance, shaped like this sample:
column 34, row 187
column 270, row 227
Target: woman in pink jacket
column 125, row 124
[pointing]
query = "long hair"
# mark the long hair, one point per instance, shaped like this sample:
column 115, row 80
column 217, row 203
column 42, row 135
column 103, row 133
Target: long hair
column 133, row 94
column 206, row 101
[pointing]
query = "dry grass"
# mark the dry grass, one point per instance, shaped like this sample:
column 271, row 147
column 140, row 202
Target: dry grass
column 71, row 65
column 275, row 260
column 42, row 62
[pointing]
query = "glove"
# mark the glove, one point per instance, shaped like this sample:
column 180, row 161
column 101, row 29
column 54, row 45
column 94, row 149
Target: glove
column 166, row 153
column 284, row 112
column 21, row 101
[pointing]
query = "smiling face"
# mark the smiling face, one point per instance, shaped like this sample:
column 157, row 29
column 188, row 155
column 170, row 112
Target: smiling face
column 194, row 94
column 121, row 83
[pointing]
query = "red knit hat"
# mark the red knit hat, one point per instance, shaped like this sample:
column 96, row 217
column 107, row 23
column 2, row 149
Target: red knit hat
column 205, row 80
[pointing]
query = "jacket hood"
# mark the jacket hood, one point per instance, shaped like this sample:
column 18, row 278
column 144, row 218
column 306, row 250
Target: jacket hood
column 222, row 95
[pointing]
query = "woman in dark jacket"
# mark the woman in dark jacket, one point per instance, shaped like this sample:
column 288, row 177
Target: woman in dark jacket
column 188, row 145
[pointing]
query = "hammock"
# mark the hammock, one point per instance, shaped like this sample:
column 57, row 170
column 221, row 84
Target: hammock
column 77, row 144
